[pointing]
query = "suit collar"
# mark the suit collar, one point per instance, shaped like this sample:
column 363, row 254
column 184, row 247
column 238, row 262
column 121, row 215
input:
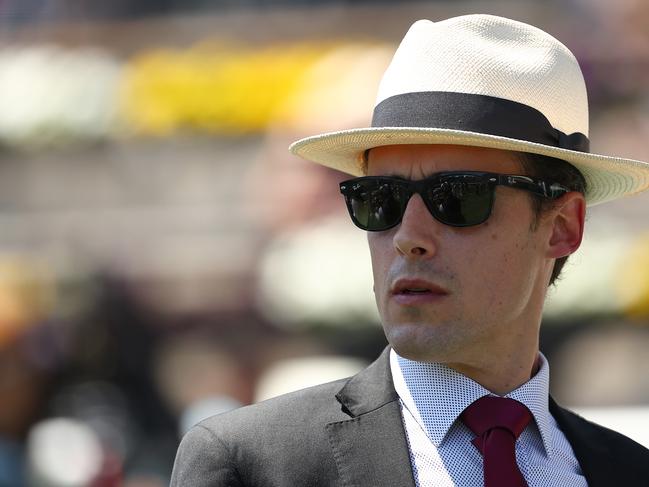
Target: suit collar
column 370, row 389
column 371, row 447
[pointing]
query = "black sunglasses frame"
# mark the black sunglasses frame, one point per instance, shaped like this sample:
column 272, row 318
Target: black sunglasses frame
column 448, row 181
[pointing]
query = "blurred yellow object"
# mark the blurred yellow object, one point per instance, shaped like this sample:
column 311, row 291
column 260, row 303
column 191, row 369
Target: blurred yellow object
column 212, row 88
column 334, row 93
column 26, row 294
column 633, row 279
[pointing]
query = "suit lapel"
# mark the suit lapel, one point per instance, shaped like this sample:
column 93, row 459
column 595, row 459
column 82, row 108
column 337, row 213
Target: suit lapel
column 593, row 454
column 371, row 448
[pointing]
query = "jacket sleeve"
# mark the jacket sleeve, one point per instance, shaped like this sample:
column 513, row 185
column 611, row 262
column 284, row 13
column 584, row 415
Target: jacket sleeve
column 203, row 460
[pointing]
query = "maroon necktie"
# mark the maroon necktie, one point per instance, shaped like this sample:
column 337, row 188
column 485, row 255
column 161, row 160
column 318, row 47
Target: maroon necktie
column 497, row 422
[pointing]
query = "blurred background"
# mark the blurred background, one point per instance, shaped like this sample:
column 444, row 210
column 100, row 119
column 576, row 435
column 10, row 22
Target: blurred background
column 163, row 257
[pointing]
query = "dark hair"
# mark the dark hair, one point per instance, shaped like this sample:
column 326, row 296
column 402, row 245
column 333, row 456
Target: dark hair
column 558, row 171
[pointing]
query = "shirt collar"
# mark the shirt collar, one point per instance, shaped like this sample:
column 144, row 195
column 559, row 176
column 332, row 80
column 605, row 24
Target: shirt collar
column 453, row 392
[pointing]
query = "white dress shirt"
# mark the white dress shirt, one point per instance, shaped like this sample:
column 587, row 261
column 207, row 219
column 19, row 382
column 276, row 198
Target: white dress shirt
column 432, row 396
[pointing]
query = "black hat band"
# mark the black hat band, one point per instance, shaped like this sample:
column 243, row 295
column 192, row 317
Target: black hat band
column 474, row 113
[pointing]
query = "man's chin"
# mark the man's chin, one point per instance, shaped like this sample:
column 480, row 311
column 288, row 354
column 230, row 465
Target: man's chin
column 417, row 355
column 418, row 348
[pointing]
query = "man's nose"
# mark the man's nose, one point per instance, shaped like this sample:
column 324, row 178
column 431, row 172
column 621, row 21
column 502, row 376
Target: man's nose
column 417, row 234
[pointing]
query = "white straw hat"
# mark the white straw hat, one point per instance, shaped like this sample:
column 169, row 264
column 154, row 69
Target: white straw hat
column 486, row 81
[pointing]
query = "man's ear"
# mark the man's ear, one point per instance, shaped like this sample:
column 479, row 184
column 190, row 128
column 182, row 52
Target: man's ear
column 567, row 224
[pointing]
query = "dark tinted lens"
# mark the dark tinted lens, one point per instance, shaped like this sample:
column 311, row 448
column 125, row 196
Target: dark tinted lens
column 375, row 204
column 460, row 202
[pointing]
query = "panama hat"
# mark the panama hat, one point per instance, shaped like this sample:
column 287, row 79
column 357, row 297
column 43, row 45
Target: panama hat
column 486, row 81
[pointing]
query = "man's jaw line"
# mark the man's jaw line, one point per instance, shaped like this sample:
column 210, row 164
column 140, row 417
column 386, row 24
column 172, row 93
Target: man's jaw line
column 498, row 369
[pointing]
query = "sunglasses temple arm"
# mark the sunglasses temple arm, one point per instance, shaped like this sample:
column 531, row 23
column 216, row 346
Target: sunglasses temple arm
column 538, row 186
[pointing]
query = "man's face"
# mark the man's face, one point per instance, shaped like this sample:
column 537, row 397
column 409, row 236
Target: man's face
column 449, row 294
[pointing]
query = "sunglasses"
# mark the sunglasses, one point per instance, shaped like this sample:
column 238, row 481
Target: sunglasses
column 455, row 198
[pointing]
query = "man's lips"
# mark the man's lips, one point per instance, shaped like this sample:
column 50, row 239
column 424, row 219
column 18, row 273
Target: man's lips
column 411, row 291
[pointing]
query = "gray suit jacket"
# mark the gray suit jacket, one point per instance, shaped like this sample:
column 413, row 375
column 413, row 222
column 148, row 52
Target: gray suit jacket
column 350, row 433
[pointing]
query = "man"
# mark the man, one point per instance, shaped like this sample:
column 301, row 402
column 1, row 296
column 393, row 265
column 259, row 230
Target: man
column 475, row 177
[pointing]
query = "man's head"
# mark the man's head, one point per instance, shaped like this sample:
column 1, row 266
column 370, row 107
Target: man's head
column 475, row 93
column 449, row 293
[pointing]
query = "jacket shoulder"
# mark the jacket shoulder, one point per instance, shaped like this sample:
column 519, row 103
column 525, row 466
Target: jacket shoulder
column 315, row 403
column 602, row 452
column 601, row 434
column 203, row 460
column 280, row 441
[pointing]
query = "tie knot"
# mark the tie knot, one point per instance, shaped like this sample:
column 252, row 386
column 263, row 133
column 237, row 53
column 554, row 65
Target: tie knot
column 490, row 412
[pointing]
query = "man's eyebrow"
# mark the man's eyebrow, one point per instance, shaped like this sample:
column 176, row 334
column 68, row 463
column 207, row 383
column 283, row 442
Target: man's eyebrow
column 401, row 177
column 393, row 175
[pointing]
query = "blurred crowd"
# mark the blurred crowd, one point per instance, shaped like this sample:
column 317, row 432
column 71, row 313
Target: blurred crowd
column 100, row 397
column 163, row 258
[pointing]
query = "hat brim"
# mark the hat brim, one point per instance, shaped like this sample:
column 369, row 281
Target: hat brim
column 607, row 178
